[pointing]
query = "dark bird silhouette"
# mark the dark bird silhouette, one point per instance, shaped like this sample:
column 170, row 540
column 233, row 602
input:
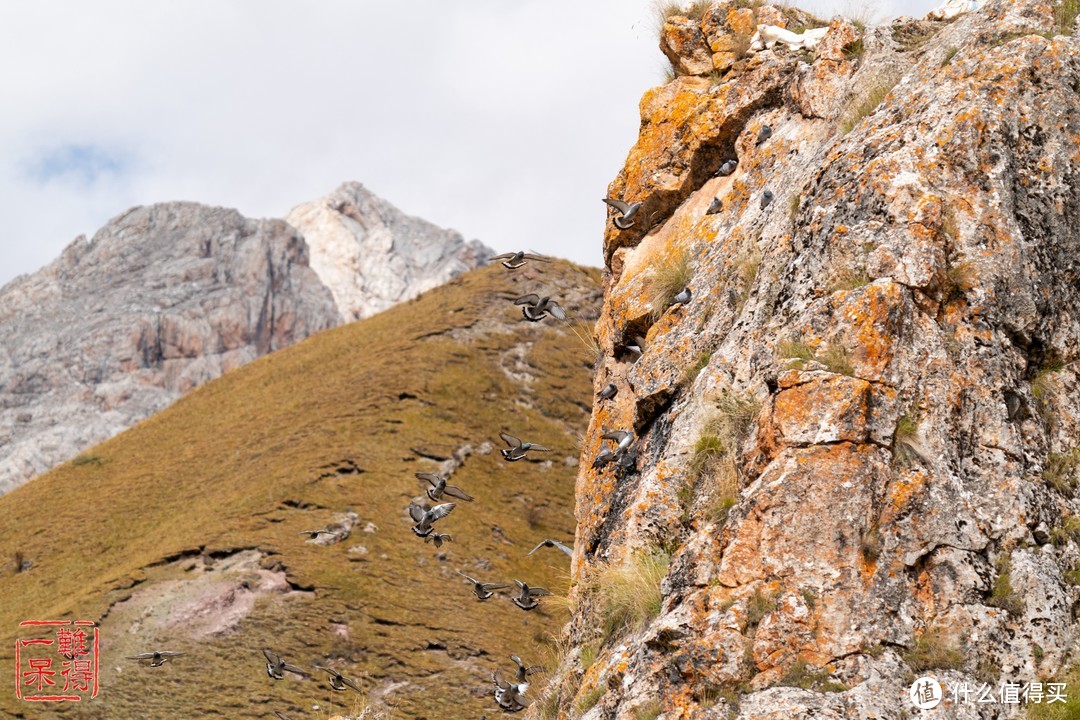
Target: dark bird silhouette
column 715, row 206
column 514, row 260
column 524, row 672
column 157, row 658
column 535, row 308
column 276, row 667
column 425, row 517
column 339, row 681
column 764, row 134
column 509, row 696
column 438, row 538
column 608, row 392
column 439, row 487
column 766, row 198
column 517, row 448
column 727, row 168
column 626, row 212
column 554, row 544
column 482, row 590
column 526, row 597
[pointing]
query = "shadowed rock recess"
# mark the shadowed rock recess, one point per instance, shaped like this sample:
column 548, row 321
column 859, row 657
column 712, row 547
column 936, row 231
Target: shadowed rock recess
column 856, row 446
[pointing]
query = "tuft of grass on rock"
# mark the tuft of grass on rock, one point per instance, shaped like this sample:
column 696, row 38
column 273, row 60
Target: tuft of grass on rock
column 864, row 105
column 670, row 277
column 871, row 543
column 837, row 360
column 1001, row 593
column 906, row 438
column 649, row 710
column 1061, row 473
column 757, row 607
column 1068, row 710
column 801, row 675
column 695, row 10
column 796, row 351
column 694, row 369
column 793, row 207
column 747, row 270
column 629, row 591
column 1065, row 14
column 850, row 279
column 949, row 55
column 933, row 651
column 1068, row 529
column 588, row 699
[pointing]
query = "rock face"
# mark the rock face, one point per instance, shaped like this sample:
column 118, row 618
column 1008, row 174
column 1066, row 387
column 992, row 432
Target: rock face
column 162, row 299
column 371, row 255
column 857, row 445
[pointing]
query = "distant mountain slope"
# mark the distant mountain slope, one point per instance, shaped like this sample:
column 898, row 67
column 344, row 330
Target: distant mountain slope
column 169, row 296
column 182, row 532
column 371, row 255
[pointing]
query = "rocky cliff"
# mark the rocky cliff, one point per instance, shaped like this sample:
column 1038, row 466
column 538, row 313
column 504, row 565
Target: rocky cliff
column 855, row 448
column 371, row 255
column 166, row 297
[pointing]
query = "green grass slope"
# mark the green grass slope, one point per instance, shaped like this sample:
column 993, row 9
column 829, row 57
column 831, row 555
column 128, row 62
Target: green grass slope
column 181, row 533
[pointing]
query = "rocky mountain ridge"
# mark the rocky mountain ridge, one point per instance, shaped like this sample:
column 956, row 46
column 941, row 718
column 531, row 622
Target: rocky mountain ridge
column 856, row 448
column 166, row 297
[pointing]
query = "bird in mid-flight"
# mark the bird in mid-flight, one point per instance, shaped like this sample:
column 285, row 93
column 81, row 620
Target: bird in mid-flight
column 439, row 487
column 526, row 597
column 517, row 448
column 157, row 658
column 535, row 308
column 425, row 517
column 626, row 211
column 482, row 590
column 276, row 667
column 555, row 544
column 514, row 260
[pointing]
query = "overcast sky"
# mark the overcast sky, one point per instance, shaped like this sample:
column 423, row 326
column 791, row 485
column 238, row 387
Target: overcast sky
column 502, row 119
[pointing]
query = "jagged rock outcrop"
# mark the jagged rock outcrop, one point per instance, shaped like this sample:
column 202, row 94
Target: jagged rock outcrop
column 167, row 297
column 857, row 444
column 371, row 255
column 162, row 299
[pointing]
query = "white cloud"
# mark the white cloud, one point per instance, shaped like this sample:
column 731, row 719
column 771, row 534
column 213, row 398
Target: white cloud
column 503, row 120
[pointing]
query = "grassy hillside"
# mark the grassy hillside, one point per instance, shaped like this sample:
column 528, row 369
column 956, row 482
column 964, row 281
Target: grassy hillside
column 181, row 533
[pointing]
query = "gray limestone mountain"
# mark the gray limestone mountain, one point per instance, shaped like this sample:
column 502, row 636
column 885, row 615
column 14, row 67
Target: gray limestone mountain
column 371, row 255
column 166, row 297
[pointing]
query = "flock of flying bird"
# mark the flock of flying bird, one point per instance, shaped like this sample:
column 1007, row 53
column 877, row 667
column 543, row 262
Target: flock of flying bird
column 510, row 696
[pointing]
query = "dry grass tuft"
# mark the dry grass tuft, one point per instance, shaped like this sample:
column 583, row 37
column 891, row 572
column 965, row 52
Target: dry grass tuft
column 949, row 55
column 1061, row 473
column 747, row 271
column 906, row 438
column 650, row 710
column 1001, row 594
column 1068, row 529
column 850, row 279
column 871, row 543
column 837, row 360
column 670, row 277
column 1068, row 710
column 629, row 592
column 933, row 651
column 757, row 607
column 1065, row 14
column 864, row 105
column 695, row 10
column 695, row 368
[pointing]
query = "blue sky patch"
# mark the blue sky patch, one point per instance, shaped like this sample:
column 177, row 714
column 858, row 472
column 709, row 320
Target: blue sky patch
column 85, row 164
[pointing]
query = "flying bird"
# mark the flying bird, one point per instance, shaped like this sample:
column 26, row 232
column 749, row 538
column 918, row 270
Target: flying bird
column 715, row 206
column 535, row 308
column 514, row 260
column 425, row 517
column 602, row 458
column 438, row 538
column 524, row 672
column 517, row 448
column 636, row 346
column 509, row 696
column 608, row 392
column 727, row 168
column 764, row 134
column 622, row 439
column 626, row 211
column 281, row 715
column 766, row 198
column 276, row 667
column 157, row 658
column 482, row 590
column 681, row 299
column 554, row 544
column 526, row 597
column 439, row 487
column 337, row 680
column 314, row 534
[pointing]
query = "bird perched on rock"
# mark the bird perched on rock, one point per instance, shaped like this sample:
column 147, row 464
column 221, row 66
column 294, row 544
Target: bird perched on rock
column 622, row 439
column 554, row 544
column 715, row 206
column 681, row 299
column 517, row 448
column 438, row 538
column 626, row 211
column 514, row 260
column 602, row 458
column 439, row 487
column 727, row 168
column 608, row 392
column 636, row 346
column 526, row 597
column 766, row 198
column 337, row 680
column 482, row 590
column 524, row 672
column 535, row 308
column 509, row 696
column 276, row 667
column 764, row 134
column 157, row 658
column 425, row 517
column 314, row 534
